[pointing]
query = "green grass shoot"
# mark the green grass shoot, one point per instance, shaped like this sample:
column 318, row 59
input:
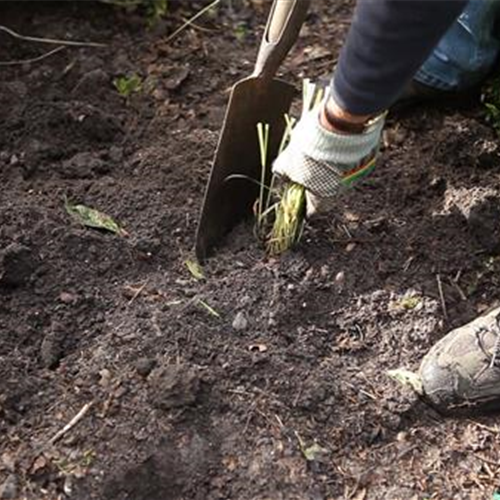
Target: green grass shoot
column 128, row 85
column 153, row 10
column 208, row 308
column 195, row 269
column 280, row 216
column 491, row 100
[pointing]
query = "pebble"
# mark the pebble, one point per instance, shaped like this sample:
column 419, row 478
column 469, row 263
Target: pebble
column 105, row 377
column 240, row 321
column 67, row 298
column 144, row 366
column 340, row 280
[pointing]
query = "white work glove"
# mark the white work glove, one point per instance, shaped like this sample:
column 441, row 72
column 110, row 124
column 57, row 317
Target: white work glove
column 325, row 162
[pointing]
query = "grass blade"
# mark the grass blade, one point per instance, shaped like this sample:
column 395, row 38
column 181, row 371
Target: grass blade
column 210, row 309
column 195, row 269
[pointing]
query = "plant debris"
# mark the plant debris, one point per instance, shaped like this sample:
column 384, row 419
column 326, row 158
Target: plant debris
column 195, row 269
column 93, row 218
column 408, row 379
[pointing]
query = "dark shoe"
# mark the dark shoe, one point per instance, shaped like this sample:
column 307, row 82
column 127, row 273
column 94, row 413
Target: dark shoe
column 463, row 369
column 417, row 93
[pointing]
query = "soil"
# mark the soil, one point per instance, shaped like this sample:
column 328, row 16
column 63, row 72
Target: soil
column 180, row 401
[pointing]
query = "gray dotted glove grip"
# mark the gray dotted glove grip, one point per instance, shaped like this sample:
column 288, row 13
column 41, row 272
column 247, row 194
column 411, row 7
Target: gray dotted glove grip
column 323, row 161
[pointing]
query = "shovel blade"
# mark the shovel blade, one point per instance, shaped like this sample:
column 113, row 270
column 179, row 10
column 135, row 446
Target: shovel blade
column 228, row 199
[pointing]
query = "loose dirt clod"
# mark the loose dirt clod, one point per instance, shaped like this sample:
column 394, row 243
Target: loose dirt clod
column 174, row 386
column 481, row 208
column 17, row 264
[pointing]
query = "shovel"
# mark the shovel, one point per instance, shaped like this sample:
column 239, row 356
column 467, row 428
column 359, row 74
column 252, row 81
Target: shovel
column 236, row 172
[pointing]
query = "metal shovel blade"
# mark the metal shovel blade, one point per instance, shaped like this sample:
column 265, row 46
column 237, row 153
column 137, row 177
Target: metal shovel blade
column 236, row 173
column 233, row 186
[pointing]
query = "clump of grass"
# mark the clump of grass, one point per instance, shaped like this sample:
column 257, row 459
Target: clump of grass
column 280, row 216
column 128, row 85
column 153, row 10
column 491, row 100
column 289, row 219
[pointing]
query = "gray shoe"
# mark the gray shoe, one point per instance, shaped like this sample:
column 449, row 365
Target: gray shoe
column 463, row 369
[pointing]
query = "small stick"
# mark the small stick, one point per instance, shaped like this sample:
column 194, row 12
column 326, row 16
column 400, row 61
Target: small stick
column 138, row 291
column 52, row 41
column 458, row 289
column 33, row 59
column 441, row 296
column 58, row 435
column 196, row 26
column 192, row 20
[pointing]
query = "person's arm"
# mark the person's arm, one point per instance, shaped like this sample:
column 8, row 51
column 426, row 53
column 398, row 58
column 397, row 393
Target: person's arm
column 387, row 42
column 336, row 144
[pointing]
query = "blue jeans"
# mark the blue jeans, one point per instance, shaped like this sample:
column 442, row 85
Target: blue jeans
column 467, row 52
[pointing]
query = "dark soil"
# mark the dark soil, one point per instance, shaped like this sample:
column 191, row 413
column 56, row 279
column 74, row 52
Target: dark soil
column 183, row 404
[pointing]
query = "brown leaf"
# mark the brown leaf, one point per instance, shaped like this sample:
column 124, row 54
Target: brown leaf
column 257, row 348
column 39, row 464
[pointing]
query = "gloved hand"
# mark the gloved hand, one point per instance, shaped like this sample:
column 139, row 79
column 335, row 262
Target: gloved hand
column 323, row 161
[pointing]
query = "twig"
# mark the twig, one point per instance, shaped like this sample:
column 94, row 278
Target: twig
column 494, row 430
column 58, row 435
column 197, row 26
column 458, row 289
column 441, row 296
column 33, row 59
column 486, row 460
column 137, row 292
column 53, row 41
column 192, row 20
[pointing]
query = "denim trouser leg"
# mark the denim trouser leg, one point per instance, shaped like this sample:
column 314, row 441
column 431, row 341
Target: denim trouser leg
column 468, row 50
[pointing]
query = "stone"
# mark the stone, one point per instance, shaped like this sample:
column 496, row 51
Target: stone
column 240, row 321
column 144, row 366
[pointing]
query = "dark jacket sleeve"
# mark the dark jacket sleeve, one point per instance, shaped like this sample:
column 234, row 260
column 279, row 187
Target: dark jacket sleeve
column 387, row 43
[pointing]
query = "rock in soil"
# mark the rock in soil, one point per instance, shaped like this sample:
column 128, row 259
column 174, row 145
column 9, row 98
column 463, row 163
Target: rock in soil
column 174, row 386
column 481, row 208
column 9, row 488
column 17, row 264
column 144, row 366
column 51, row 350
column 240, row 321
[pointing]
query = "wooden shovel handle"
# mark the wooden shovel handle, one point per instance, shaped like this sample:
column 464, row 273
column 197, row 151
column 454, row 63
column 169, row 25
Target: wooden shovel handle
column 282, row 30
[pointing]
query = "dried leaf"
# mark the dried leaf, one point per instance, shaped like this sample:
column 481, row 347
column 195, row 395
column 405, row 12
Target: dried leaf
column 39, row 464
column 8, row 461
column 91, row 217
column 361, row 495
column 408, row 379
column 195, row 269
column 257, row 347
column 314, row 453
